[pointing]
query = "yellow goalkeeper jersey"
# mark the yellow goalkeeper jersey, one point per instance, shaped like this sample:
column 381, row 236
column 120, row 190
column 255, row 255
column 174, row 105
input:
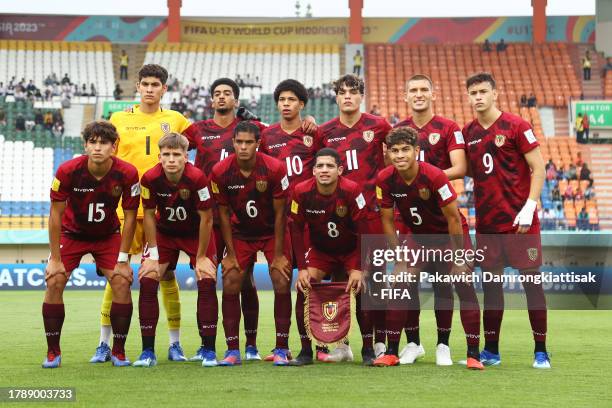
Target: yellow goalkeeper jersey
column 139, row 134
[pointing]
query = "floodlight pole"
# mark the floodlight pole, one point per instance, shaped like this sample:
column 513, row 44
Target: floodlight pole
column 355, row 22
column 539, row 21
column 174, row 21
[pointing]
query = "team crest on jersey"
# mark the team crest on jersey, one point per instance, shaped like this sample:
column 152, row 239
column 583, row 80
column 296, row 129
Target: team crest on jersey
column 532, row 253
column 368, row 135
column 341, row 210
column 184, row 193
column 500, row 140
column 116, row 191
column 261, row 185
column 434, row 138
column 307, row 141
column 424, row 193
column 330, row 310
column 165, row 127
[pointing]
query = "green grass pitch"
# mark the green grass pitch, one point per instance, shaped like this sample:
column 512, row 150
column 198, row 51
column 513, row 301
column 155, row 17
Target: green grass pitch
column 578, row 340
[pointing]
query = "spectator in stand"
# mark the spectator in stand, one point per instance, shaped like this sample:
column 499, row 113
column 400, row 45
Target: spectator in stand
column 556, row 194
column 486, row 47
column 375, row 110
column 569, row 193
column 2, row 117
column 20, row 95
column 585, row 173
column 48, row 120
column 579, row 128
column 560, row 172
column 92, row 90
column 65, row 80
column 607, row 67
column 572, row 172
column 247, row 81
column 395, row 119
column 589, row 192
column 579, row 196
column 172, row 83
column 258, row 83
column 84, row 91
column 357, row 63
column 585, row 127
column 31, row 88
column 124, row 61
column 579, row 161
column 559, row 212
column 239, row 81
column 550, row 164
column 20, row 123
column 501, row 46
column 57, row 130
column 174, row 105
column 551, row 172
column 117, row 92
column 48, row 80
column 583, row 219
column 548, row 219
column 586, row 66
column 2, row 89
column 38, row 117
column 29, row 124
column 532, row 102
column 523, row 101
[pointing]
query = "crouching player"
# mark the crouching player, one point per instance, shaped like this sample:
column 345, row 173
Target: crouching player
column 177, row 217
column 427, row 204
column 334, row 209
column 84, row 197
column 252, row 187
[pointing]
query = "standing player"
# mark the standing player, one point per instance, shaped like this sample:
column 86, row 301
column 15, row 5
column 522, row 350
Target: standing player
column 508, row 171
column 178, row 217
column 253, row 186
column 358, row 138
column 427, row 204
column 139, row 131
column 84, row 198
column 212, row 139
column 441, row 144
column 287, row 142
column 334, row 210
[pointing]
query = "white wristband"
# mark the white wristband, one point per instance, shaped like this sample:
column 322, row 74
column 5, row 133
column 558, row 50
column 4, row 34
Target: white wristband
column 123, row 257
column 153, row 254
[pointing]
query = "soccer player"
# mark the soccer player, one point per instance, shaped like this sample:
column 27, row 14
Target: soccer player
column 253, row 186
column 334, row 210
column 508, row 170
column 139, row 131
column 427, row 204
column 358, row 138
column 289, row 143
column 178, row 217
column 441, row 144
column 84, row 197
column 213, row 141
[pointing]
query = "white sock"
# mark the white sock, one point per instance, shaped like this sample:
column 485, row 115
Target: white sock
column 105, row 334
column 175, row 335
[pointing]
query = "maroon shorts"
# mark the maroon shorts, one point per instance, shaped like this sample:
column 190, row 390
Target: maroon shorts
column 169, row 248
column 520, row 251
column 331, row 264
column 246, row 251
column 105, row 251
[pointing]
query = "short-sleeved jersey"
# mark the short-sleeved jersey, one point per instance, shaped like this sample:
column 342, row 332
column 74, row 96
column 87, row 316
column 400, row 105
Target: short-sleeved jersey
column 91, row 204
column 360, row 149
column 502, row 177
column 139, row 134
column 251, row 199
column 297, row 150
column 420, row 202
column 212, row 142
column 177, row 204
column 331, row 219
column 437, row 138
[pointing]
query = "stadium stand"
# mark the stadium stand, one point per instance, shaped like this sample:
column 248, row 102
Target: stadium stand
column 84, row 62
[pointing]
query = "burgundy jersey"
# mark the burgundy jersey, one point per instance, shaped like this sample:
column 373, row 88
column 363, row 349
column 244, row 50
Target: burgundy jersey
column 251, row 199
column 420, row 203
column 212, row 142
column 360, row 148
column 502, row 177
column 91, row 208
column 297, row 150
column 437, row 138
column 177, row 204
column 331, row 219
